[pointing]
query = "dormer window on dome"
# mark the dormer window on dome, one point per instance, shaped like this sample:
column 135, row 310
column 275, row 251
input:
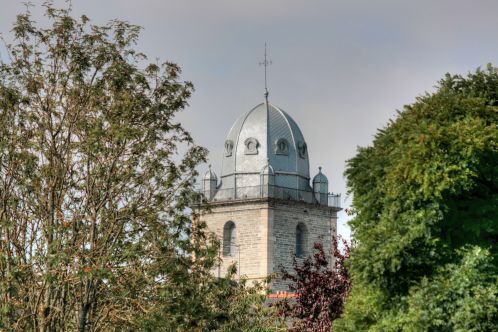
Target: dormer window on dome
column 282, row 147
column 251, row 146
column 228, row 148
column 301, row 148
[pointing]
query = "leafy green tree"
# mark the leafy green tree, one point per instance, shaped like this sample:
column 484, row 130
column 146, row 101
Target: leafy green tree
column 244, row 307
column 217, row 305
column 424, row 191
column 95, row 230
column 461, row 297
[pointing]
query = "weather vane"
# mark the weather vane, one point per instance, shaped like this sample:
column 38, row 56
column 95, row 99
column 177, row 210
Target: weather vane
column 265, row 63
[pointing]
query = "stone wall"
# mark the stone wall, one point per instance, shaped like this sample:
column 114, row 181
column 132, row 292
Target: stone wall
column 266, row 233
column 320, row 223
column 252, row 223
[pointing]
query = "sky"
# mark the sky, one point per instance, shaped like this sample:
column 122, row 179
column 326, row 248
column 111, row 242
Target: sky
column 340, row 68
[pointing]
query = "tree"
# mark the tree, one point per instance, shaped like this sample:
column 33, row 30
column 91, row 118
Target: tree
column 460, row 297
column 320, row 290
column 94, row 225
column 425, row 192
column 243, row 307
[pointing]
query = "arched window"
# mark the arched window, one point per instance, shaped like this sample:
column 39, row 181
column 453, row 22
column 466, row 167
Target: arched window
column 301, row 240
column 252, row 145
column 302, row 148
column 282, row 147
column 228, row 148
column 229, row 239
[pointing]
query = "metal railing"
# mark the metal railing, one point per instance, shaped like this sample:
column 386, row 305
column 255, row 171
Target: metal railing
column 272, row 191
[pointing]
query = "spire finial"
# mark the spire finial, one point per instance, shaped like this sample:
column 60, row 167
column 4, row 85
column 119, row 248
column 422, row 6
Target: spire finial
column 266, row 63
column 320, row 169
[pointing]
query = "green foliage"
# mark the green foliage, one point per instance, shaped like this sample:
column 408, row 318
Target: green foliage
column 206, row 304
column 426, row 187
column 244, row 307
column 96, row 181
column 461, row 297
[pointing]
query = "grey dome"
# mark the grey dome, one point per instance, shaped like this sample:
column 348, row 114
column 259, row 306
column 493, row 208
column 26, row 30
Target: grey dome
column 265, row 135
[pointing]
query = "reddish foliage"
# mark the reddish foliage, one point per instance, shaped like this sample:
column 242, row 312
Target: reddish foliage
column 320, row 290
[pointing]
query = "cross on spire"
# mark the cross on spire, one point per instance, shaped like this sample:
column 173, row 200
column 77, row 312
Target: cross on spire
column 266, row 63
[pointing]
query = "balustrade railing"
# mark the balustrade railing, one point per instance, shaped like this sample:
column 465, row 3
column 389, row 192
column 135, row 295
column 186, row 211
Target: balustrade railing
column 264, row 191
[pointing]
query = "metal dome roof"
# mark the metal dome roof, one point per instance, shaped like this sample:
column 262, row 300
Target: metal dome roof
column 210, row 175
column 265, row 134
column 320, row 177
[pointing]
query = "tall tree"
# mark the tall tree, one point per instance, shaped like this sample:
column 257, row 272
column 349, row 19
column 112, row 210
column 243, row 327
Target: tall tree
column 426, row 197
column 93, row 189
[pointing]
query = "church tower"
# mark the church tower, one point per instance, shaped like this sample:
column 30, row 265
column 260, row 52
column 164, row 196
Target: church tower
column 264, row 209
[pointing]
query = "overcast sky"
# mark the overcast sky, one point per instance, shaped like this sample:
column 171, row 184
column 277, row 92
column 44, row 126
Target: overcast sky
column 341, row 69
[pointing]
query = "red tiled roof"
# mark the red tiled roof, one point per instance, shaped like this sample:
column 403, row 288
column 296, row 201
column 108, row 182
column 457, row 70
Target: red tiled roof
column 281, row 295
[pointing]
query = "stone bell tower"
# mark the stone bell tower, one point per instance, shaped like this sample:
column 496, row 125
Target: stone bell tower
column 263, row 208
